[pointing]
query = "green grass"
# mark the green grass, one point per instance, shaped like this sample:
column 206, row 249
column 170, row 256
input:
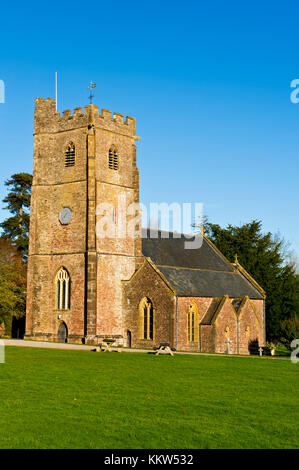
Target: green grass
column 81, row 399
column 282, row 350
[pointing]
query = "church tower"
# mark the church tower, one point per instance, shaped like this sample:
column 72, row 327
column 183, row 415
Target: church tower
column 84, row 164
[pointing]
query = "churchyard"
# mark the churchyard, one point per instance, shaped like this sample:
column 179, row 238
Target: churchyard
column 81, row 399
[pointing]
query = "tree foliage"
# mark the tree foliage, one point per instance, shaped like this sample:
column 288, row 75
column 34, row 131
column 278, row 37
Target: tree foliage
column 16, row 227
column 265, row 259
column 12, row 283
column 290, row 330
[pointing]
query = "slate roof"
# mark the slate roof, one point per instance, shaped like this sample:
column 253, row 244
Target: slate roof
column 207, row 319
column 200, row 272
column 236, row 304
column 171, row 252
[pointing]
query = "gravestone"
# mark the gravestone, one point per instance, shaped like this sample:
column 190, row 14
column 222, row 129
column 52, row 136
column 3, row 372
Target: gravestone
column 227, row 342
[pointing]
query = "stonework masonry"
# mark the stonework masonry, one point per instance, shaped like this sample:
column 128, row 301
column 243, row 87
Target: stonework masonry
column 96, row 267
column 242, row 327
column 109, row 277
column 147, row 282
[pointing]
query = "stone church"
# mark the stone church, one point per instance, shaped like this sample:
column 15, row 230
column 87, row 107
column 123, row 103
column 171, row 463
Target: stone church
column 141, row 291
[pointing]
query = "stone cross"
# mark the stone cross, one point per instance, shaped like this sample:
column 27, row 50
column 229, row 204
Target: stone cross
column 227, row 342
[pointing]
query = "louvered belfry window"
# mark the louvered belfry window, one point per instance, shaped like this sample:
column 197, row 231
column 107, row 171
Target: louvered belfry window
column 70, row 155
column 113, row 159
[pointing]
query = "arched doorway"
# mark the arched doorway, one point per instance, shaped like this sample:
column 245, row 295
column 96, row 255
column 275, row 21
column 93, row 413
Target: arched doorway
column 18, row 327
column 129, row 339
column 62, row 333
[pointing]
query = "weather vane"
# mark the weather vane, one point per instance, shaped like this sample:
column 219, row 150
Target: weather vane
column 91, row 86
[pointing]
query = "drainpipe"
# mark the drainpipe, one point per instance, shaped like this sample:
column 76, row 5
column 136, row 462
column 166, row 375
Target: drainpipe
column 200, row 337
column 264, row 307
column 238, row 334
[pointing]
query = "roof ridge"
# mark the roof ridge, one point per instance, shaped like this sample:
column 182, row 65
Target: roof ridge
column 249, row 278
column 169, row 231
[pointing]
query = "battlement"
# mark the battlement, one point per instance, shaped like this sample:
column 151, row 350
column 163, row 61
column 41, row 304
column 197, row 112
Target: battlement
column 46, row 119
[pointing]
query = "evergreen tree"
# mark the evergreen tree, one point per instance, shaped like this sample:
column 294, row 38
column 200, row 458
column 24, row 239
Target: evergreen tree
column 16, row 228
column 290, row 330
column 12, row 284
column 265, row 259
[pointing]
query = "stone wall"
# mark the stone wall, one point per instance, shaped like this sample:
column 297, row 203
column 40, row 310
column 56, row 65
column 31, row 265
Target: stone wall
column 207, row 338
column 226, row 327
column 42, row 317
column 51, row 244
column 242, row 327
column 147, row 282
column 96, row 266
column 117, row 251
column 251, row 325
column 183, row 303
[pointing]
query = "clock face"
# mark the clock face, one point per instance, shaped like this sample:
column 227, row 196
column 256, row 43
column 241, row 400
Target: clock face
column 65, row 216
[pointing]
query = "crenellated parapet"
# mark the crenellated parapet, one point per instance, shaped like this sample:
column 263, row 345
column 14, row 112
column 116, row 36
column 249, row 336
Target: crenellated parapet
column 46, row 119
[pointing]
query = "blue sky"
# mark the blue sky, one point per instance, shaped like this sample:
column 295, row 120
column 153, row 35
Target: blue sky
column 208, row 84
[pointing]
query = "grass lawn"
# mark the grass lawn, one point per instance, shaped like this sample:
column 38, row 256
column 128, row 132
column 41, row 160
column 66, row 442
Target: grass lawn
column 81, row 399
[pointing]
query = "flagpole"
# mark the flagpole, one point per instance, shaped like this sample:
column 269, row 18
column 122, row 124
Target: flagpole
column 56, row 90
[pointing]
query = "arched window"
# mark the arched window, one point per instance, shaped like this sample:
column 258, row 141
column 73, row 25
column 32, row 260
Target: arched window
column 192, row 322
column 70, row 154
column 113, row 158
column 146, row 319
column 63, row 282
